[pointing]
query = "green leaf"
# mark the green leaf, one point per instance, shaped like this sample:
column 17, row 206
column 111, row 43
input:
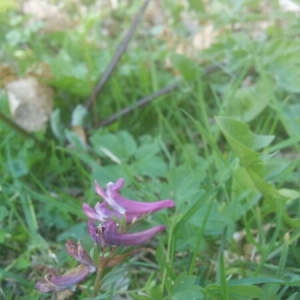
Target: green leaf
column 78, row 115
column 156, row 293
column 113, row 276
column 290, row 118
column 216, row 221
column 295, row 296
column 289, row 194
column 221, row 278
column 244, row 142
column 57, row 126
column 185, row 288
column 187, row 68
column 119, row 147
column 240, row 134
column 3, row 213
column 197, row 5
column 153, row 167
column 249, row 101
column 249, row 291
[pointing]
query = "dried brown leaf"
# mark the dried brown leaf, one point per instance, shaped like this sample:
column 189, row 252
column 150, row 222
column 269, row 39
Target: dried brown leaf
column 53, row 16
column 30, row 103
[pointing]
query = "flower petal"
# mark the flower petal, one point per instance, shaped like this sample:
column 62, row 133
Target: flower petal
column 106, row 196
column 95, row 234
column 129, row 239
column 77, row 251
column 54, row 282
column 106, row 234
column 135, row 209
column 132, row 209
column 101, row 212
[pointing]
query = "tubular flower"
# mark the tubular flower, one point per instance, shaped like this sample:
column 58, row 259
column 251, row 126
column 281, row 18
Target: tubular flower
column 101, row 212
column 106, row 234
column 131, row 209
column 54, row 282
column 77, row 251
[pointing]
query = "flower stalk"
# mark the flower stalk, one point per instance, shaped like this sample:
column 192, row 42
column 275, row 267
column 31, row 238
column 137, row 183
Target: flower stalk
column 116, row 215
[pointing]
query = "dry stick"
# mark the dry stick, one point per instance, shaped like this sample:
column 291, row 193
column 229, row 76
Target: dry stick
column 121, row 49
column 144, row 101
column 139, row 103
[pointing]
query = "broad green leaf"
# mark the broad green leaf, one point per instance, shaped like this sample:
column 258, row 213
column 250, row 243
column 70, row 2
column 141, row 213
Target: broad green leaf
column 249, row 101
column 191, row 293
column 119, row 147
column 146, row 151
column 185, row 288
column 286, row 74
column 242, row 183
column 156, row 293
column 153, row 167
column 250, row 291
column 183, row 184
column 244, row 143
column 289, row 194
column 216, row 221
column 78, row 115
column 70, row 75
column 183, row 281
column 240, row 134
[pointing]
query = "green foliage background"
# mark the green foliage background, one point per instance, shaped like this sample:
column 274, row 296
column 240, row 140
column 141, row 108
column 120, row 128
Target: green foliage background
column 224, row 145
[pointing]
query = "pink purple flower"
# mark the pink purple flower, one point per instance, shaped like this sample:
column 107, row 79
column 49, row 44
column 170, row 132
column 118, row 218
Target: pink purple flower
column 106, row 234
column 77, row 251
column 55, row 282
column 131, row 209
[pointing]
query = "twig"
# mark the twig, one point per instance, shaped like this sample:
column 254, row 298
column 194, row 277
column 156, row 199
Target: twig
column 144, row 101
column 139, row 103
column 122, row 47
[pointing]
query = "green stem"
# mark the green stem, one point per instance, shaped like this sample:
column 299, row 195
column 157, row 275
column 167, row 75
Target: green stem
column 101, row 268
